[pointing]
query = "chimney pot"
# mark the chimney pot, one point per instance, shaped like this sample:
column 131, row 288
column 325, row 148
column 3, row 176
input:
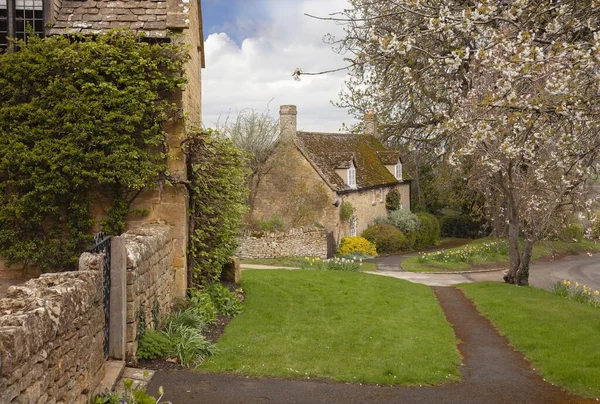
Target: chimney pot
column 288, row 124
column 370, row 120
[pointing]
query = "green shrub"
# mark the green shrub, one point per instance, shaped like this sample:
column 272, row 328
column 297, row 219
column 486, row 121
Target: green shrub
column 346, row 211
column 190, row 317
column 274, row 224
column 130, row 395
column 392, row 200
column 354, row 245
column 189, row 345
column 571, row 232
column 462, row 226
column 404, row 220
column 596, row 226
column 429, row 231
column 387, row 238
column 154, row 344
column 204, row 305
column 215, row 299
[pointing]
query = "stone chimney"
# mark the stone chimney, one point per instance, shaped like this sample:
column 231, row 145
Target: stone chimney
column 371, row 124
column 288, row 122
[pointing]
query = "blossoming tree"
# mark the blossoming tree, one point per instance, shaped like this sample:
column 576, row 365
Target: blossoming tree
column 508, row 90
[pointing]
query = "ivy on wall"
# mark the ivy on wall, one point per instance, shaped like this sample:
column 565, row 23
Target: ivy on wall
column 79, row 115
column 218, row 191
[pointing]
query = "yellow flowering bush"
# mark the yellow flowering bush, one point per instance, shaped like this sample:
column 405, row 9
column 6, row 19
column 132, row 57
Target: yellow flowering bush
column 352, row 245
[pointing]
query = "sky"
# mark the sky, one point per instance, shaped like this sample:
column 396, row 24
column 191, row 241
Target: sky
column 252, row 47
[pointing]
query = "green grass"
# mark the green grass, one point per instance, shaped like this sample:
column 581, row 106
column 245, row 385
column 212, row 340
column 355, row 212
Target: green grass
column 296, row 262
column 343, row 326
column 542, row 249
column 558, row 336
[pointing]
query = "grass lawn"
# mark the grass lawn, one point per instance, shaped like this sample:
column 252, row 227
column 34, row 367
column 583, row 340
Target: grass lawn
column 558, row 336
column 343, row 326
column 297, row 262
column 542, row 249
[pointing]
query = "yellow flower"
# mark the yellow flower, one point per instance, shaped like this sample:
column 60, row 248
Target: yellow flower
column 596, row 293
column 576, row 284
column 568, row 283
column 565, row 282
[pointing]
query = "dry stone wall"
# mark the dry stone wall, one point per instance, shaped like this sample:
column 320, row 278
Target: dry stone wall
column 150, row 280
column 51, row 337
column 301, row 242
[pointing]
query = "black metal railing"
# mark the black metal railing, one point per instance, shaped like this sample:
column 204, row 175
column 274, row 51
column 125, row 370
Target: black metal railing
column 102, row 246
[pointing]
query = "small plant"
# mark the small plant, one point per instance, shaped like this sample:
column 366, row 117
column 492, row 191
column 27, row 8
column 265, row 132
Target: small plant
column 276, row 223
column 334, row 264
column 392, row 200
column 346, row 211
column 130, row 395
column 226, row 302
column 577, row 292
column 190, row 318
column 404, row 220
column 154, row 344
column 354, row 245
column 189, row 345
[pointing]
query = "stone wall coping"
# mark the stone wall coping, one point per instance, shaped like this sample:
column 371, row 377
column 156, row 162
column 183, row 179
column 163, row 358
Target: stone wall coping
column 143, row 241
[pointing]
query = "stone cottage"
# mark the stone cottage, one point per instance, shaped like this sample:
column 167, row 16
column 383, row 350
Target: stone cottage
column 312, row 174
column 154, row 19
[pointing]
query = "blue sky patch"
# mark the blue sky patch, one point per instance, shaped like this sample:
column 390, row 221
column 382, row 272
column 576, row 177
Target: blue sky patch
column 239, row 19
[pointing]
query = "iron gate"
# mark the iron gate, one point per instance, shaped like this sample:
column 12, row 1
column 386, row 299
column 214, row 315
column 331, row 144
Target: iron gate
column 102, row 246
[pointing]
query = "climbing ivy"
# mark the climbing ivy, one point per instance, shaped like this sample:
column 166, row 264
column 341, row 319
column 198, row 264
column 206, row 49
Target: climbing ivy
column 218, row 191
column 79, row 116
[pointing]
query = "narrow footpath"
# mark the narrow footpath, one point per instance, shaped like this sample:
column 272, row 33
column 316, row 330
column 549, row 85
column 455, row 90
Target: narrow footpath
column 492, row 372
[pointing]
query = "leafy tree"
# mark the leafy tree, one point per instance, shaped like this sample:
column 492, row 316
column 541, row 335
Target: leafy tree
column 506, row 90
column 217, row 202
column 79, row 115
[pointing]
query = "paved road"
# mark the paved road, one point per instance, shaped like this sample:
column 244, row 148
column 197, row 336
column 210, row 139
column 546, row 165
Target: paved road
column 584, row 269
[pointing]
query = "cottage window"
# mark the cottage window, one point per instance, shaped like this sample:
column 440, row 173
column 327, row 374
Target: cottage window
column 353, row 223
column 16, row 16
column 352, row 176
column 398, row 171
column 380, row 195
column 373, row 197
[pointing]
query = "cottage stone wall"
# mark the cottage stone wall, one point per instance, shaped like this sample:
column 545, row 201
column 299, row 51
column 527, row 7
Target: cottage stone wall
column 150, row 280
column 302, row 242
column 51, row 337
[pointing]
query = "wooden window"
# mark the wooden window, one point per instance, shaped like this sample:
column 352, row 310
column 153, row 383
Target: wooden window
column 373, row 197
column 17, row 15
column 353, row 226
column 352, row 176
column 380, row 195
column 398, row 171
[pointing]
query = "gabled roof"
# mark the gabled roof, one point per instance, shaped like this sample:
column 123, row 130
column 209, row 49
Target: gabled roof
column 328, row 151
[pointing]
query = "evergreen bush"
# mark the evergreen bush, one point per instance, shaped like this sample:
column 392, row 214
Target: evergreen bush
column 429, row 231
column 387, row 238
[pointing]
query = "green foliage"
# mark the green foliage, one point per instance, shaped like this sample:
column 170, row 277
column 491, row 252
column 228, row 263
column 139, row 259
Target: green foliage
column 404, row 220
column 595, row 229
column 218, row 192
column 461, row 226
column 429, row 231
column 154, row 344
column 571, row 232
column 189, row 317
column 130, row 395
column 346, row 211
column 392, row 200
column 352, row 245
column 467, row 253
column 334, row 264
column 79, row 115
column 225, row 301
column 189, row 346
column 276, row 223
column 387, row 238
column 575, row 291
column 204, row 305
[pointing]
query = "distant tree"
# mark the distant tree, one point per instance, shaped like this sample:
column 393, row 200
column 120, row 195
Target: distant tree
column 256, row 133
column 508, row 91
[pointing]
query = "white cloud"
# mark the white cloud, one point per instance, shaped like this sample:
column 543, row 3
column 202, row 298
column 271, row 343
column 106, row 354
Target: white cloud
column 260, row 69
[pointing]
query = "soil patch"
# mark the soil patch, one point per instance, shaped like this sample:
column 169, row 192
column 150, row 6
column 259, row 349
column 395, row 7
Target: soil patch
column 492, row 372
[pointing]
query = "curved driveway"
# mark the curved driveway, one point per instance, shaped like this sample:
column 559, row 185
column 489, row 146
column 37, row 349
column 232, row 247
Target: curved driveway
column 584, row 269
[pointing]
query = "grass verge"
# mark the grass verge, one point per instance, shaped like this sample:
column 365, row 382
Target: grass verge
column 296, row 262
column 541, row 250
column 558, row 336
column 343, row 326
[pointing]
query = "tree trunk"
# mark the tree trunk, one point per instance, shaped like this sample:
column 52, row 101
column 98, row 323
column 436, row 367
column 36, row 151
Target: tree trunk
column 522, row 275
column 513, row 248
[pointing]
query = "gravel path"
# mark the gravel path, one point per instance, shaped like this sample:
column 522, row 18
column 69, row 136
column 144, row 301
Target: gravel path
column 492, row 372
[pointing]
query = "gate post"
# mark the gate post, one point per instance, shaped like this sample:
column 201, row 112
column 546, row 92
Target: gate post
column 118, row 299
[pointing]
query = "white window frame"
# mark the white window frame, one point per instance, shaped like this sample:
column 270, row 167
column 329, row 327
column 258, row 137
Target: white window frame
column 372, row 197
column 353, row 226
column 352, row 176
column 398, row 171
column 380, row 195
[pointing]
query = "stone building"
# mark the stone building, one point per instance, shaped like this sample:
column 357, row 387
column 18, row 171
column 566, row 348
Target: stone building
column 312, row 174
column 154, row 19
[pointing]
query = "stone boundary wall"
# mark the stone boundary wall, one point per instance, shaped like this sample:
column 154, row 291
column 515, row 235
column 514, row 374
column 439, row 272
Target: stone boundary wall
column 51, row 337
column 300, row 242
column 150, row 280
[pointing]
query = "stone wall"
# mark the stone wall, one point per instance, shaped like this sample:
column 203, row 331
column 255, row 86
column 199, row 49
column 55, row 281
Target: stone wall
column 150, row 279
column 301, row 242
column 51, row 337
